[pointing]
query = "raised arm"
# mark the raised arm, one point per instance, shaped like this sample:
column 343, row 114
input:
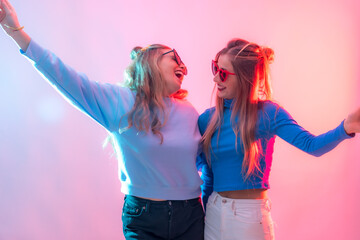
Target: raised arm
column 105, row 103
column 10, row 23
column 287, row 128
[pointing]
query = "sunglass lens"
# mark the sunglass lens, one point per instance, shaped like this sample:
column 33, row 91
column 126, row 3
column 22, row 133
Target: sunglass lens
column 222, row 75
column 177, row 57
column 214, row 68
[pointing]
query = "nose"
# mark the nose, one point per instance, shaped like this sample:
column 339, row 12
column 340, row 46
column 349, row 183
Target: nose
column 216, row 78
column 183, row 67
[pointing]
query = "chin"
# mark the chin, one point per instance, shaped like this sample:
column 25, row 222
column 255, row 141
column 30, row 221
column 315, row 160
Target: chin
column 219, row 95
column 173, row 91
column 224, row 95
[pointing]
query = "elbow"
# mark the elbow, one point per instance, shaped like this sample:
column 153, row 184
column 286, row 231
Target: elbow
column 316, row 153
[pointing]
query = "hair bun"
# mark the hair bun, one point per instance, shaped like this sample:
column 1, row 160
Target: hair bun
column 269, row 53
column 135, row 52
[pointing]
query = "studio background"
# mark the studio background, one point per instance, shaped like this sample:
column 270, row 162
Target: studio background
column 56, row 180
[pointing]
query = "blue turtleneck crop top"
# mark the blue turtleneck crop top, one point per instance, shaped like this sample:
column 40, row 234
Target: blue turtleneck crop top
column 226, row 159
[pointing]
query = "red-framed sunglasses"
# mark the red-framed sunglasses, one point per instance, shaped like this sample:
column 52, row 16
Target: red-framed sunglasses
column 223, row 74
column 176, row 58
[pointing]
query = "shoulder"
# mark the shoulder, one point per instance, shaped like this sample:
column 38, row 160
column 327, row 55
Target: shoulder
column 272, row 112
column 122, row 89
column 184, row 103
column 116, row 90
column 123, row 96
column 183, row 106
column 276, row 114
column 206, row 115
column 269, row 106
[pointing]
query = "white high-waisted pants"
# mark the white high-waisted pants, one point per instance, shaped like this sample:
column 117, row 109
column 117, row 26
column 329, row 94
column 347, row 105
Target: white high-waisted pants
column 231, row 219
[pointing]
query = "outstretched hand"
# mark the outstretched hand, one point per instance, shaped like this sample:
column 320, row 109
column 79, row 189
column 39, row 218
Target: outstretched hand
column 10, row 23
column 8, row 18
column 352, row 122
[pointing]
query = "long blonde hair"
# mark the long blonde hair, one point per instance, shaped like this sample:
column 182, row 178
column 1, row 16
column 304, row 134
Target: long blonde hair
column 251, row 66
column 144, row 77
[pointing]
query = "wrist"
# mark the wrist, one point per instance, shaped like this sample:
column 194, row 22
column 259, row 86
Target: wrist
column 13, row 33
column 21, row 39
column 12, row 30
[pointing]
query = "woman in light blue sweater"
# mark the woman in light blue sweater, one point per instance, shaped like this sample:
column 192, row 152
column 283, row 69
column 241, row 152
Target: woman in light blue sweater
column 153, row 128
column 238, row 138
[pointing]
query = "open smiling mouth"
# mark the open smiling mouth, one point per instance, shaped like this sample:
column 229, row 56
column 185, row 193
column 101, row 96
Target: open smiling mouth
column 179, row 74
column 220, row 88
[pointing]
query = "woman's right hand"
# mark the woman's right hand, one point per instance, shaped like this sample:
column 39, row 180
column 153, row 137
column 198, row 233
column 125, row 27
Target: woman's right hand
column 11, row 26
column 10, row 22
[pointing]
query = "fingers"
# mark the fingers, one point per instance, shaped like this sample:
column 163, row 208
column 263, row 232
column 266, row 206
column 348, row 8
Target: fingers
column 2, row 14
column 7, row 6
column 4, row 6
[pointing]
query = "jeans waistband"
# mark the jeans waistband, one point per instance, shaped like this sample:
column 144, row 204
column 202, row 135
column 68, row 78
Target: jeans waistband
column 216, row 198
column 162, row 203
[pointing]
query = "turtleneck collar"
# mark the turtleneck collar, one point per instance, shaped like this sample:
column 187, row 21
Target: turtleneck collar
column 227, row 103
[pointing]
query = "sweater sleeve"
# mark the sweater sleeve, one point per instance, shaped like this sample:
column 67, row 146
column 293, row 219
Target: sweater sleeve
column 105, row 103
column 206, row 171
column 207, row 177
column 287, row 128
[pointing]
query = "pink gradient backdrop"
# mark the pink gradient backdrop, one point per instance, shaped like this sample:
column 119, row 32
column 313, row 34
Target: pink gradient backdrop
column 56, row 181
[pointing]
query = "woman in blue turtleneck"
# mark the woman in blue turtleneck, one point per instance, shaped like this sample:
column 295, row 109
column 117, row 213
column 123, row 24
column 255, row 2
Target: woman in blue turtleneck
column 238, row 137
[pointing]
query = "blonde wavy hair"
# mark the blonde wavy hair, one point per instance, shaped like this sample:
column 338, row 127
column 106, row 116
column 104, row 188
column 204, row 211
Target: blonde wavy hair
column 144, row 77
column 251, row 66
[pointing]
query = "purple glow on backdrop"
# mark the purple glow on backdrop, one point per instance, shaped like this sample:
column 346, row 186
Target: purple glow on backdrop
column 56, row 181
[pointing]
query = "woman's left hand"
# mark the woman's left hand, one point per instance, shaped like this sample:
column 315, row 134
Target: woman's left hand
column 352, row 122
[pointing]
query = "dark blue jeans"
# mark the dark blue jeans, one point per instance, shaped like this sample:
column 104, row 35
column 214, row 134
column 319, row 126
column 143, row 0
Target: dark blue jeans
column 175, row 219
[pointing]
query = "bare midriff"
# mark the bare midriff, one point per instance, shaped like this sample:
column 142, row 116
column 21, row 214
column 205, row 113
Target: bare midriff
column 245, row 194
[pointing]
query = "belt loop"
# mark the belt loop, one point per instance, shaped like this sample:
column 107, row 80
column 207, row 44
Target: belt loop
column 147, row 206
column 233, row 209
column 216, row 196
